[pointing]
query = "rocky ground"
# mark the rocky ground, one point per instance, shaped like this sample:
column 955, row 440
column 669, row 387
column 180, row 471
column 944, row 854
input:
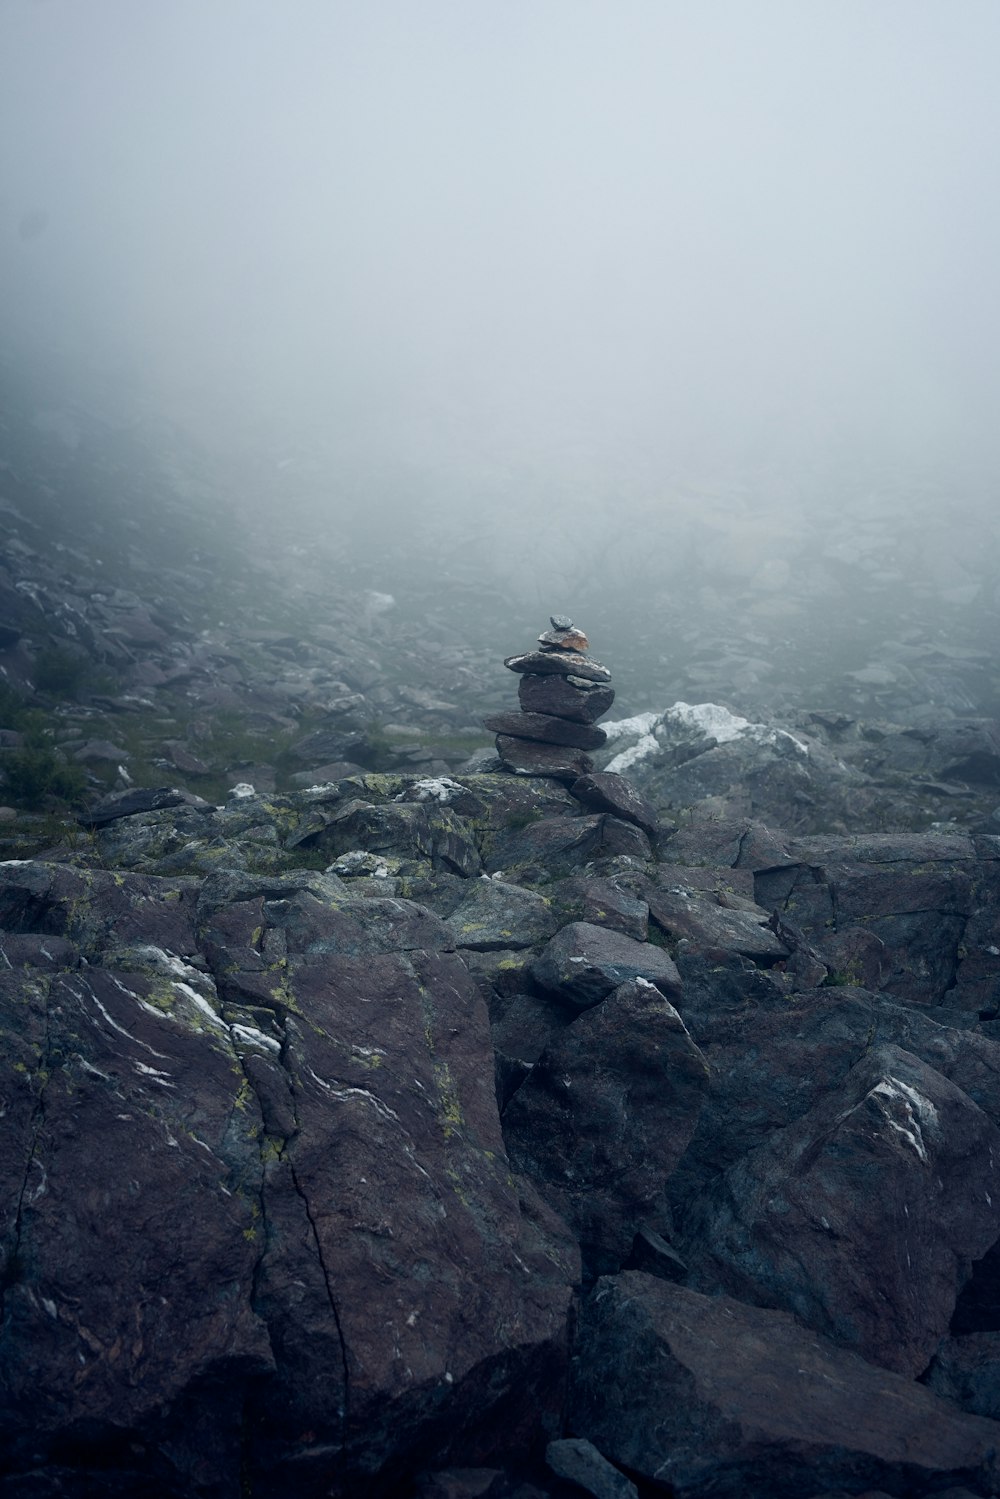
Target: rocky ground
column 380, row 1122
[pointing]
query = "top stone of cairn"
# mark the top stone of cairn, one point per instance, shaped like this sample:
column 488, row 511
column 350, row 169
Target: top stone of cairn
column 563, row 636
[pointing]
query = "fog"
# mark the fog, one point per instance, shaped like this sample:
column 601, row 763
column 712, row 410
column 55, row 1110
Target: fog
column 552, row 276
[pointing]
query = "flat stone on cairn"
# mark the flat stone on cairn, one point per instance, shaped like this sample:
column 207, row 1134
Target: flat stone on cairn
column 572, row 698
column 561, row 692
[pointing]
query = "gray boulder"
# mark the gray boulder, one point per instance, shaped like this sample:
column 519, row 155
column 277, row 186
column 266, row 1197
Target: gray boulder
column 863, row 1216
column 605, row 1114
column 720, row 1400
column 583, row 963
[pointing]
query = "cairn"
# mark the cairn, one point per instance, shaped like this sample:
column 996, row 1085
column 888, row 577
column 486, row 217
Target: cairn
column 562, row 692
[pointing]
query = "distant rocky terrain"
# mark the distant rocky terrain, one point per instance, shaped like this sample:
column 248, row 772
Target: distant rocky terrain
column 379, row 1120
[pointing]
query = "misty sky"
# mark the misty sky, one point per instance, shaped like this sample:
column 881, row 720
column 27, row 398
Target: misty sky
column 577, row 245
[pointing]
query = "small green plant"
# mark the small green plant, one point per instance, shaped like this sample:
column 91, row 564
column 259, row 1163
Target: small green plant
column 37, row 774
column 14, row 711
column 60, row 672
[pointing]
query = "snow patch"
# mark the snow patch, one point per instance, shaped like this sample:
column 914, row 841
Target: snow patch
column 708, row 719
column 640, row 724
column 718, row 723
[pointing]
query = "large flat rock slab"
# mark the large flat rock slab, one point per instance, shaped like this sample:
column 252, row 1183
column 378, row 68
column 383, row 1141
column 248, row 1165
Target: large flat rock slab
column 530, row 757
column 559, row 663
column 718, row 1400
column 546, row 728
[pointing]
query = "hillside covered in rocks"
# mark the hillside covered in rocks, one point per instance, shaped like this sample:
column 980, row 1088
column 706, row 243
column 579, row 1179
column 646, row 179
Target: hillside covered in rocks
column 383, row 1116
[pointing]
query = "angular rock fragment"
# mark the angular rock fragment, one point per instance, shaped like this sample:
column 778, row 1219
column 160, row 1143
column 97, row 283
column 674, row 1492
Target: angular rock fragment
column 139, row 799
column 584, row 963
column 682, row 912
column 97, row 909
column 604, row 903
column 862, row 1216
column 414, row 831
column 606, row 1113
column 580, row 1462
column 563, row 663
column 547, row 729
column 570, row 697
column 605, row 791
column 498, row 915
column 914, row 893
column 549, row 846
column 530, row 757
column 714, row 1398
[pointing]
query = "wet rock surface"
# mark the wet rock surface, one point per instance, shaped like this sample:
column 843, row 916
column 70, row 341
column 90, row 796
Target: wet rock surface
column 714, row 1397
column 338, row 1059
column 359, row 1138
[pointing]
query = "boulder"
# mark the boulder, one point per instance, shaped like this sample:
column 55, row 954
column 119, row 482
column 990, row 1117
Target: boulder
column 583, row 963
column 413, row 831
column 604, row 791
column 495, row 914
column 605, row 1114
column 124, row 1152
column 864, row 1215
column 320, row 1255
column 682, row 912
column 931, row 900
column 97, row 909
column 719, row 1400
column 774, row 1055
column 603, row 902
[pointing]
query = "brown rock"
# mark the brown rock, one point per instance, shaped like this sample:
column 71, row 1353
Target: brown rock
column 563, row 640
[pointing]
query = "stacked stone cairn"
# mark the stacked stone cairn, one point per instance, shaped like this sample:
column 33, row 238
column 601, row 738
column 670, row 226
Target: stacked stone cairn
column 562, row 693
